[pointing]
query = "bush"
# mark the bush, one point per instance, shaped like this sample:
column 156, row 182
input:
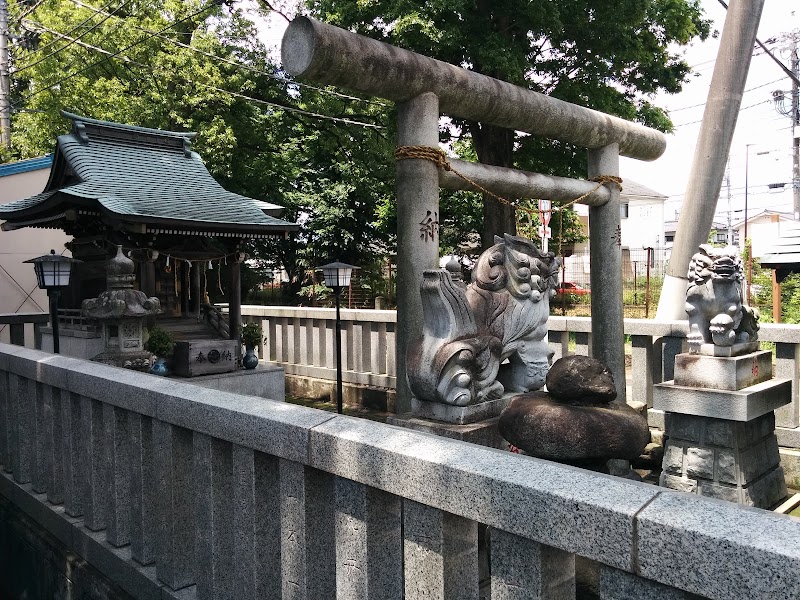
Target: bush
column 251, row 334
column 160, row 342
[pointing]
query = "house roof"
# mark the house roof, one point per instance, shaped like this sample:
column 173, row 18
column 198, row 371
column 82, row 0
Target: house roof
column 23, row 166
column 783, row 216
column 784, row 254
column 148, row 179
column 634, row 188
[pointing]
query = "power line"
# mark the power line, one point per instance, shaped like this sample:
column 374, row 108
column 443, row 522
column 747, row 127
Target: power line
column 758, row 87
column 208, row 6
column 740, row 110
column 53, row 43
column 68, row 44
column 236, row 63
column 230, row 92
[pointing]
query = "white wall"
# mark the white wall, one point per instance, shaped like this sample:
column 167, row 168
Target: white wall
column 17, row 279
column 644, row 226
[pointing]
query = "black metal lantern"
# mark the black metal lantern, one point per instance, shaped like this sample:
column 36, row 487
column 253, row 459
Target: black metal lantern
column 337, row 276
column 52, row 273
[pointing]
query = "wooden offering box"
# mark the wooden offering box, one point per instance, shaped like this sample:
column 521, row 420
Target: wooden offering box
column 204, row 357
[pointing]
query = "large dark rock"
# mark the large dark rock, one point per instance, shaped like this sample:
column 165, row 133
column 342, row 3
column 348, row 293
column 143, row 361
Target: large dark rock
column 573, row 433
column 581, row 380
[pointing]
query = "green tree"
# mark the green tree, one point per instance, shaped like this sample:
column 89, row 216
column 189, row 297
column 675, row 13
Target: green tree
column 197, row 65
column 611, row 55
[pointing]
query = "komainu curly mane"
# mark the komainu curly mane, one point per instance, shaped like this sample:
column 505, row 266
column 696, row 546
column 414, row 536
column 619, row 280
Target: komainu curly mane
column 469, row 330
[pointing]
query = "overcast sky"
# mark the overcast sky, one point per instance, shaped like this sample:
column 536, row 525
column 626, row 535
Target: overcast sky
column 759, row 123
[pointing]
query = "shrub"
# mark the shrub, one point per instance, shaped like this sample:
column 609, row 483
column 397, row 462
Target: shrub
column 160, row 342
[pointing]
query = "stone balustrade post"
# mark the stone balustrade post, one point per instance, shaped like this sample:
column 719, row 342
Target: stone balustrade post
column 117, row 438
column 175, row 525
column 5, row 422
column 54, row 446
column 642, row 367
column 523, row 569
column 558, row 342
column 787, row 365
column 441, row 554
column 93, row 448
column 256, row 526
column 583, row 343
column 21, row 416
column 74, row 457
column 215, row 512
column 40, row 441
column 307, row 533
column 143, row 489
column 369, row 556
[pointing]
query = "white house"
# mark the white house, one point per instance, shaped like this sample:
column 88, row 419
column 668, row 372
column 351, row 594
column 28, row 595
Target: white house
column 18, row 289
column 641, row 227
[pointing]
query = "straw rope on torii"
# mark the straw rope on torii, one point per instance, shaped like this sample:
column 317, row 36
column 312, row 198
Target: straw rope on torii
column 439, row 158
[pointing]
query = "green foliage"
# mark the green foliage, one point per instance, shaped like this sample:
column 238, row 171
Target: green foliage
column 251, row 334
column 160, row 342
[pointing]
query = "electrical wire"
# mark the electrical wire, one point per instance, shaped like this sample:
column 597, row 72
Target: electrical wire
column 740, row 110
column 238, row 64
column 53, row 43
column 278, row 105
column 208, row 6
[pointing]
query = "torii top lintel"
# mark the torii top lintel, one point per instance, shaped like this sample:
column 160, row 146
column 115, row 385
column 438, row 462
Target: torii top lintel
column 327, row 54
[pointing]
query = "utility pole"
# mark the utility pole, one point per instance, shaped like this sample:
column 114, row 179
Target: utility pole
column 793, row 112
column 5, row 79
column 713, row 145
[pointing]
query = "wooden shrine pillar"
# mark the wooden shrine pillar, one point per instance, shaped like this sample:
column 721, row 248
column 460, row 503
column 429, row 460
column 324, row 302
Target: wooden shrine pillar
column 235, row 295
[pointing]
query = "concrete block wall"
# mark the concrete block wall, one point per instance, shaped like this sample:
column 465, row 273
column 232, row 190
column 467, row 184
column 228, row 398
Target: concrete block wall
column 233, row 496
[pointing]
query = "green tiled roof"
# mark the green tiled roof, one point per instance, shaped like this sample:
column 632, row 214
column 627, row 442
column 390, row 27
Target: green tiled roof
column 140, row 175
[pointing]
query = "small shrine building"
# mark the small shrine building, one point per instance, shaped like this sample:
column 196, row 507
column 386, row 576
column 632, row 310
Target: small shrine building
column 145, row 190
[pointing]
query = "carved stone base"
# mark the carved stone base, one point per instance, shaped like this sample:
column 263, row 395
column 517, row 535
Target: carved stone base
column 460, row 415
column 735, row 350
column 728, row 460
column 483, row 433
column 138, row 361
column 723, row 373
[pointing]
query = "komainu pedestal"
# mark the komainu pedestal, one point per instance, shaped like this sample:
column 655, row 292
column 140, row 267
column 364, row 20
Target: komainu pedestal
column 720, row 427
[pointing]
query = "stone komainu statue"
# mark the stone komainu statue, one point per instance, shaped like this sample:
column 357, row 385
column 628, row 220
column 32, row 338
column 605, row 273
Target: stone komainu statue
column 469, row 330
column 714, row 300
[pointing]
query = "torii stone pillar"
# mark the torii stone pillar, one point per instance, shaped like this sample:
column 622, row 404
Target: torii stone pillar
column 417, row 224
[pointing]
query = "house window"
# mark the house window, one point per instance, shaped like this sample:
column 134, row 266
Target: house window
column 669, row 238
column 623, row 210
column 721, row 237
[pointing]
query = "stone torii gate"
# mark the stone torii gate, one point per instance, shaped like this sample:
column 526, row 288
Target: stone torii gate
column 424, row 88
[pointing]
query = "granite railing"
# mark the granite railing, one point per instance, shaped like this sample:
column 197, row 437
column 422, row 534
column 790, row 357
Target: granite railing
column 301, row 341
column 13, row 328
column 163, row 486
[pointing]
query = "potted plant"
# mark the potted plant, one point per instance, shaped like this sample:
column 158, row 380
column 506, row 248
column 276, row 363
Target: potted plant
column 250, row 336
column 160, row 342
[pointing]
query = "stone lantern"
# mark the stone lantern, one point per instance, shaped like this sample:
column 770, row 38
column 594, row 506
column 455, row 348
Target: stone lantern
column 122, row 311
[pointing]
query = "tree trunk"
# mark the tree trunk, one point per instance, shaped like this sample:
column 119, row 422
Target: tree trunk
column 494, row 146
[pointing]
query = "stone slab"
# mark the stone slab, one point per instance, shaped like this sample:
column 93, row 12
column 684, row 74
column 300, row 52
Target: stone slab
column 700, row 545
column 460, row 415
column 734, row 405
column 723, row 373
column 265, row 381
column 735, row 350
column 483, row 433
